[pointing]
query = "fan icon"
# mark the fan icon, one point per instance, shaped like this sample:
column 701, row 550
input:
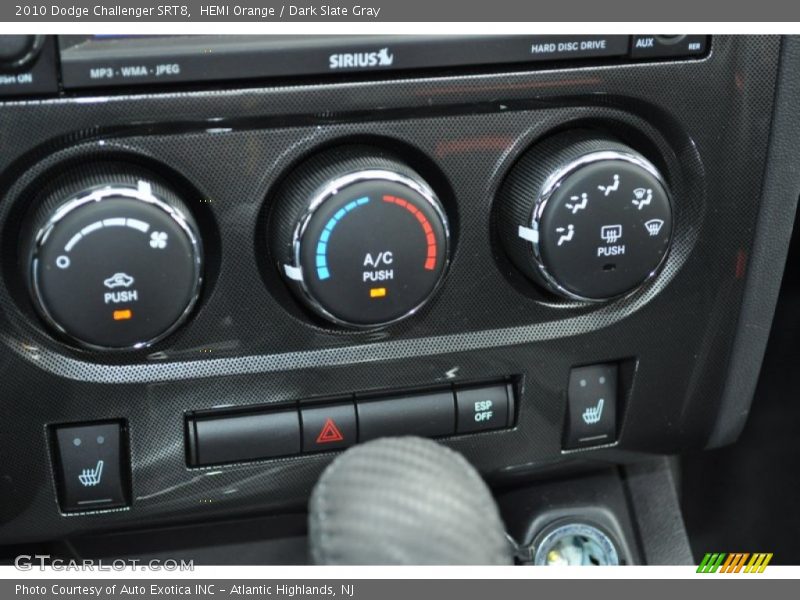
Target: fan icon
column 158, row 240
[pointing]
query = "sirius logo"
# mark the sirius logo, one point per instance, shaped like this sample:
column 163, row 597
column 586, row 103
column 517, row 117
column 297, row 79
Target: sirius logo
column 357, row 60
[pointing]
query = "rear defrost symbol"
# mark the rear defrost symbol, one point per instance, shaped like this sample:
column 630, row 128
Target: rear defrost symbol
column 611, row 233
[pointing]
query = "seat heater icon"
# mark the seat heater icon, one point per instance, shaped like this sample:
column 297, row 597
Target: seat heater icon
column 91, row 477
column 593, row 414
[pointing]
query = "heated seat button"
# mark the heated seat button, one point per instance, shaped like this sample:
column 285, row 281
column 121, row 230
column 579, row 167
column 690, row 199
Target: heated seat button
column 328, row 427
column 238, row 438
column 425, row 415
column 592, row 406
column 483, row 408
column 92, row 474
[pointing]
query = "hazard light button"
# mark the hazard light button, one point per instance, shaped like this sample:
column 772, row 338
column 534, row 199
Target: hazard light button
column 328, row 427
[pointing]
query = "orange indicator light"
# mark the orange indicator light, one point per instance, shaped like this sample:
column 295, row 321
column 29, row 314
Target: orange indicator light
column 377, row 292
column 123, row 315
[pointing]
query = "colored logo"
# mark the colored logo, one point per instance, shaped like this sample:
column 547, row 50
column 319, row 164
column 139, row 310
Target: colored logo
column 736, row 562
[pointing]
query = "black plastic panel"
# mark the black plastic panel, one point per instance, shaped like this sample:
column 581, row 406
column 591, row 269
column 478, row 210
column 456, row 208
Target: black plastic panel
column 703, row 123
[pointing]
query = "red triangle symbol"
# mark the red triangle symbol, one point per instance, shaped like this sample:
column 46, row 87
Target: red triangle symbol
column 330, row 433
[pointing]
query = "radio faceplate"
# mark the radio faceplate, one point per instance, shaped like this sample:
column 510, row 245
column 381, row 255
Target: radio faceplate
column 75, row 62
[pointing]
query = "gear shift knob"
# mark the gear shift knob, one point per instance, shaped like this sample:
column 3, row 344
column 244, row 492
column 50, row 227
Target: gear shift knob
column 404, row 501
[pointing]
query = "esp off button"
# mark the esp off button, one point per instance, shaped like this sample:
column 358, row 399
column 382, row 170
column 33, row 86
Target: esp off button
column 484, row 408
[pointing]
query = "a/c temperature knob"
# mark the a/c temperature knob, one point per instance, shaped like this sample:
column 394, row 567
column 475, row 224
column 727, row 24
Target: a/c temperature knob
column 360, row 236
column 115, row 260
column 589, row 218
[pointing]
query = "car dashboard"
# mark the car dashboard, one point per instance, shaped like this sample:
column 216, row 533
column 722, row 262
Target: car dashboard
column 562, row 266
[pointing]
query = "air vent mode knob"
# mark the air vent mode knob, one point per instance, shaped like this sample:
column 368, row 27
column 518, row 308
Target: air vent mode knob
column 588, row 218
column 360, row 237
column 115, row 260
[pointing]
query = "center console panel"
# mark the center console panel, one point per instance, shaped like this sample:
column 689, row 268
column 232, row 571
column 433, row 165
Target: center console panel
column 627, row 332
